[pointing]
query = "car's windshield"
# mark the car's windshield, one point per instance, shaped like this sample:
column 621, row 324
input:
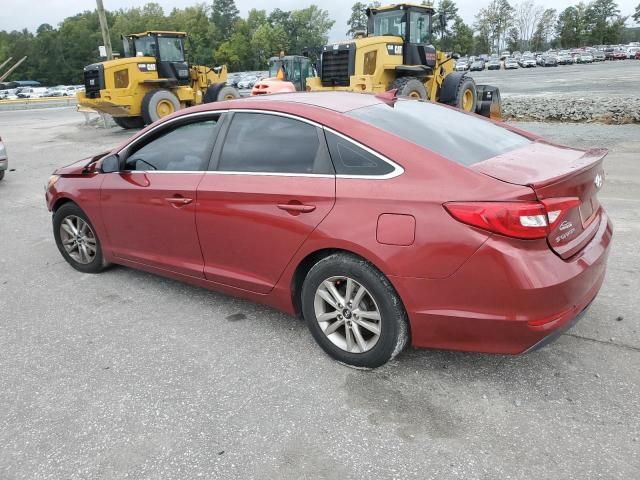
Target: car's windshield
column 463, row 138
column 389, row 23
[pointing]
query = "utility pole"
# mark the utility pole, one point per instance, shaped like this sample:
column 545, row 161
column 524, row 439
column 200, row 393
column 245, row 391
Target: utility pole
column 105, row 29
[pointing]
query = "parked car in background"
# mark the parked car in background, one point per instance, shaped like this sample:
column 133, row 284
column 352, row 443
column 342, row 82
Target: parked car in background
column 527, row 61
column 247, row 82
column 598, row 56
column 494, row 63
column 233, row 79
column 504, row 54
column 638, row 55
column 510, row 63
column 565, row 58
column 59, row 91
column 631, row 52
column 513, row 220
column 462, row 64
column 4, row 161
column 477, row 66
column 31, row 92
column 548, row 61
column 585, row 58
column 619, row 54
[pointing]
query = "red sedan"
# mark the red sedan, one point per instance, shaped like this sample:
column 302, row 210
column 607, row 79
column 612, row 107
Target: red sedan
column 380, row 221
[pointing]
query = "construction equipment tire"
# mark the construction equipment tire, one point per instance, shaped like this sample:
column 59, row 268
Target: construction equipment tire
column 129, row 122
column 157, row 104
column 409, row 87
column 466, row 95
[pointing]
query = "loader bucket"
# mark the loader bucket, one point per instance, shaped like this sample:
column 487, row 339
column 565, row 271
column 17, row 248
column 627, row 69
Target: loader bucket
column 488, row 103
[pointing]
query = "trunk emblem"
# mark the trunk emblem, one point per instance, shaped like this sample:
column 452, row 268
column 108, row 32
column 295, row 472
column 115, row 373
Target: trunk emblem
column 598, row 181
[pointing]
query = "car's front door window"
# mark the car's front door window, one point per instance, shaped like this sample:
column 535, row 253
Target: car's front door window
column 184, row 148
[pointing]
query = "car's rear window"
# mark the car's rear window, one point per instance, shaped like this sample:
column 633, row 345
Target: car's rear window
column 465, row 139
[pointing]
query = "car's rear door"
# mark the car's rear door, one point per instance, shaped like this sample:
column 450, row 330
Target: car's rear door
column 149, row 207
column 271, row 183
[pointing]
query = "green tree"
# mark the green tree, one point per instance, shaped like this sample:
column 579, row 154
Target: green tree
column 570, row 27
column 462, row 37
column 544, row 29
column 636, row 15
column 195, row 21
column 358, row 20
column 224, row 15
column 603, row 22
column 309, row 30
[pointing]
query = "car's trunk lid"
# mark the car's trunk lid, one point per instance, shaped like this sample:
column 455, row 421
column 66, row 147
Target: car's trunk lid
column 556, row 173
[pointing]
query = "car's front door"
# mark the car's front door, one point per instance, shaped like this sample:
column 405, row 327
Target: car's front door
column 271, row 185
column 149, row 207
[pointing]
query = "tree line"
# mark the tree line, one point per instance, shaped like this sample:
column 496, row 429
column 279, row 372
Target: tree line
column 521, row 26
column 219, row 35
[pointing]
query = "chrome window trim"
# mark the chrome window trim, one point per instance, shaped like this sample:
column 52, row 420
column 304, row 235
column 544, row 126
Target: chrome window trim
column 397, row 169
column 169, row 122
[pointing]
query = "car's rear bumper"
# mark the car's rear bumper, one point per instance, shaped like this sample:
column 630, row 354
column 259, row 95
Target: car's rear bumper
column 508, row 297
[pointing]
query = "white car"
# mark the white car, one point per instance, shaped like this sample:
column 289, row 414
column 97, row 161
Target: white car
column 247, row 82
column 631, row 52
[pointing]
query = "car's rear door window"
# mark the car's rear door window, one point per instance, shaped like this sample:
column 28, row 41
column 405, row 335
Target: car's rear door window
column 186, row 147
column 270, row 143
column 463, row 138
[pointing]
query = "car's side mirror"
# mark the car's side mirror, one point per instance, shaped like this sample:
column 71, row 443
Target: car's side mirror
column 110, row 164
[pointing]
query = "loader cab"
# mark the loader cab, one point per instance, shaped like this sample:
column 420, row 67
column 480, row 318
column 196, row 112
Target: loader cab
column 292, row 68
column 410, row 22
column 168, row 50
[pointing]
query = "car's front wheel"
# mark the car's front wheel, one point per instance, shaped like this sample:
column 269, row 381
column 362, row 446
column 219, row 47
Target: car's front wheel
column 353, row 312
column 77, row 240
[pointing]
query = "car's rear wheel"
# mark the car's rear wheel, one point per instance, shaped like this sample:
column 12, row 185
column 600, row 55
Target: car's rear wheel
column 1, row 174
column 77, row 240
column 353, row 312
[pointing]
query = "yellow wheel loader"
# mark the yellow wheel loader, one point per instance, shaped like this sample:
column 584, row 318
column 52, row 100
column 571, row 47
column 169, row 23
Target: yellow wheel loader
column 397, row 54
column 153, row 80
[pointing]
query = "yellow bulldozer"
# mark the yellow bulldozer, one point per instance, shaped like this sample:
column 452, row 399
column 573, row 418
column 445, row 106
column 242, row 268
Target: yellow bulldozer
column 398, row 54
column 153, row 80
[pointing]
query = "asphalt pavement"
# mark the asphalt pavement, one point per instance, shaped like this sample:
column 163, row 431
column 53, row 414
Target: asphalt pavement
column 130, row 375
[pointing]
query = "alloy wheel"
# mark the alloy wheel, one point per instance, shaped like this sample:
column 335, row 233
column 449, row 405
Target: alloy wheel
column 347, row 314
column 78, row 239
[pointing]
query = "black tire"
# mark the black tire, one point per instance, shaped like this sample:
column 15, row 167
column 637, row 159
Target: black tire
column 466, row 86
column 220, row 93
column 1, row 174
column 69, row 211
column 153, row 99
column 393, row 324
column 129, row 122
column 409, row 87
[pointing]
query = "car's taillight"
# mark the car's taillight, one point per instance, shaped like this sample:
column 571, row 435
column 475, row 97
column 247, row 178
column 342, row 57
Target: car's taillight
column 527, row 220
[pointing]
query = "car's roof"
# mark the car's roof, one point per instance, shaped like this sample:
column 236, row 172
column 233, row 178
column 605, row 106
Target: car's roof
column 336, row 101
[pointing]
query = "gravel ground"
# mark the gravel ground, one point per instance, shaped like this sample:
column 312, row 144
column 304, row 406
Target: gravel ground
column 129, row 375
column 605, row 92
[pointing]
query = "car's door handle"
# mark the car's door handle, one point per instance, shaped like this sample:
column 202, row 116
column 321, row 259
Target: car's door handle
column 296, row 208
column 179, row 201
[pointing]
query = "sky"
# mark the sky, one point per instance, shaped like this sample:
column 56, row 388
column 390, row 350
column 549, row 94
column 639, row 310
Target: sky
column 16, row 16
